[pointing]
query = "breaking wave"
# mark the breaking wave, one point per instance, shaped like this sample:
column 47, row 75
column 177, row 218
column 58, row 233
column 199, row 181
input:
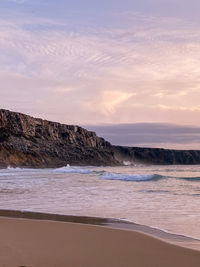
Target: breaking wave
column 131, row 177
column 110, row 176
column 69, row 169
column 102, row 173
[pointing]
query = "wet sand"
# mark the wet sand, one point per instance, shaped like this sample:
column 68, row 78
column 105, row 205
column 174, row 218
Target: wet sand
column 44, row 242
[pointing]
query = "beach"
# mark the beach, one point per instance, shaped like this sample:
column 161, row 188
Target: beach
column 100, row 217
column 99, row 133
column 161, row 197
column 35, row 242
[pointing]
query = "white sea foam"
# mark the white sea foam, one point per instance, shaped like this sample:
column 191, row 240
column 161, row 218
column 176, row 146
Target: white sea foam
column 127, row 163
column 10, row 171
column 17, row 169
column 69, row 169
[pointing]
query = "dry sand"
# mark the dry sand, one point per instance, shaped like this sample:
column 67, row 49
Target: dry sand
column 40, row 243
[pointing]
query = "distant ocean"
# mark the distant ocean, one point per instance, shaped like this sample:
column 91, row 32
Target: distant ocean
column 164, row 197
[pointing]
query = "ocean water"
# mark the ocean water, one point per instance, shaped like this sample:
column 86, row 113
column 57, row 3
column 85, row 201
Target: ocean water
column 164, row 197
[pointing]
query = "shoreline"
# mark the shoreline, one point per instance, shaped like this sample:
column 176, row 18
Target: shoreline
column 30, row 242
column 118, row 224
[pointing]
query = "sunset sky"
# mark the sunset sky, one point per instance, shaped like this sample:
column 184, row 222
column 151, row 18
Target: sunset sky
column 94, row 62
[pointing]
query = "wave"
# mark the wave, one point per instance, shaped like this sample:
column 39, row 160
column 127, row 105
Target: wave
column 10, row 171
column 131, row 177
column 69, row 169
column 101, row 173
column 110, row 176
column 18, row 169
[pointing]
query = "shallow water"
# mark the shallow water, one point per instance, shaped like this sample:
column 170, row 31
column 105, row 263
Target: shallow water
column 165, row 197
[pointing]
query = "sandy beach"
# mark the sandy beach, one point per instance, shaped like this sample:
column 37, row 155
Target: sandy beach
column 42, row 243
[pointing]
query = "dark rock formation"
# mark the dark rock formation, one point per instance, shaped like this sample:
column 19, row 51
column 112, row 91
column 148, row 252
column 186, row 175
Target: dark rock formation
column 156, row 155
column 29, row 142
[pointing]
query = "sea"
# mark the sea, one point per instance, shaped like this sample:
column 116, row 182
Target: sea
column 162, row 197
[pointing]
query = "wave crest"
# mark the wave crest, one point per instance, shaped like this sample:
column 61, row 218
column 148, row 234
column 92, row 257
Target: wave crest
column 131, row 177
column 110, row 176
column 69, row 169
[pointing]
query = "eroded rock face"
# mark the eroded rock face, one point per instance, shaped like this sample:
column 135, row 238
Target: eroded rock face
column 156, row 155
column 29, row 142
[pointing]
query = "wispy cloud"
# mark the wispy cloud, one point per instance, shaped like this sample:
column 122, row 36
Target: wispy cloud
column 17, row 1
column 146, row 70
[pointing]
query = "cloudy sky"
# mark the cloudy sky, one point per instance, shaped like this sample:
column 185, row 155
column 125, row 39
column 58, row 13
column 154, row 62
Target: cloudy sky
column 95, row 62
column 163, row 135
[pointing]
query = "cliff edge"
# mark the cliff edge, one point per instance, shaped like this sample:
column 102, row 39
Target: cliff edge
column 30, row 142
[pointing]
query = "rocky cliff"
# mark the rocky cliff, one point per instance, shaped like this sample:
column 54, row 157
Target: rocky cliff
column 156, row 155
column 29, row 142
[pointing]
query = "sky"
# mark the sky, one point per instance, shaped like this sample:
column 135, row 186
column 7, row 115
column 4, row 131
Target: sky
column 95, row 62
column 161, row 135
